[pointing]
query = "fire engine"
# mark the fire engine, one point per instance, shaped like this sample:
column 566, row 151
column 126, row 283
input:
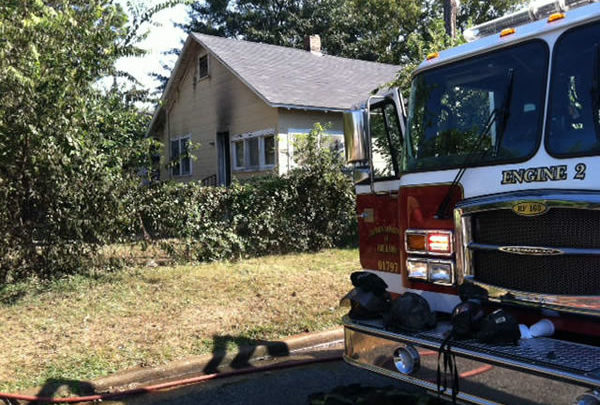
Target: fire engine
column 489, row 175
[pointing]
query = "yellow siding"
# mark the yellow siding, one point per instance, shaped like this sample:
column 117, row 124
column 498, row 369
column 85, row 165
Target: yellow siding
column 223, row 103
column 290, row 121
column 218, row 103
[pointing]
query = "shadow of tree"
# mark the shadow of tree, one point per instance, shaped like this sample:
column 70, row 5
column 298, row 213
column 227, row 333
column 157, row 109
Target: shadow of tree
column 246, row 349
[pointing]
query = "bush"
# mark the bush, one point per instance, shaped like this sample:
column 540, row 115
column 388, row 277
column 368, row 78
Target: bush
column 68, row 151
column 311, row 208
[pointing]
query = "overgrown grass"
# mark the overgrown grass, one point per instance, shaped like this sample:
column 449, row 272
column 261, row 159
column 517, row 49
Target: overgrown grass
column 84, row 327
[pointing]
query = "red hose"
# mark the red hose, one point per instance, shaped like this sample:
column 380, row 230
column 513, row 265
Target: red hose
column 172, row 384
column 193, row 380
column 476, row 371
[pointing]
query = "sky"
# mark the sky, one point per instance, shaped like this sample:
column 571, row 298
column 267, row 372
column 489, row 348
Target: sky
column 162, row 37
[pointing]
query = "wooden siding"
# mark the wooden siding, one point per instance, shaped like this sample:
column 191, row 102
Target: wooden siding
column 200, row 108
column 290, row 121
column 203, row 107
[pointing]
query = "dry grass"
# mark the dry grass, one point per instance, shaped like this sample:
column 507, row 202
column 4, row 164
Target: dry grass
column 83, row 327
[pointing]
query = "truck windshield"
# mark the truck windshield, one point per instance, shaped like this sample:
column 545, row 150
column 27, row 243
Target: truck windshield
column 573, row 124
column 449, row 107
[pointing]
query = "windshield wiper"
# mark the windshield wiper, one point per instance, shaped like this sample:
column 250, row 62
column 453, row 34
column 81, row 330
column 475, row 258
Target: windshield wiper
column 442, row 212
column 505, row 111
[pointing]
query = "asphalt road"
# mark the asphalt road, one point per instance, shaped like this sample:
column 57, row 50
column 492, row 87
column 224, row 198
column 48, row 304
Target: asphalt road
column 295, row 385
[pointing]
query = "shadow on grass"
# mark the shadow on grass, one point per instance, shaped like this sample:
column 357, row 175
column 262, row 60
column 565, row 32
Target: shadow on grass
column 54, row 386
column 247, row 348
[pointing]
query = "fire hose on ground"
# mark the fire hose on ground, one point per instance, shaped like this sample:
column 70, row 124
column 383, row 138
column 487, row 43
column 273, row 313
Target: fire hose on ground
column 199, row 379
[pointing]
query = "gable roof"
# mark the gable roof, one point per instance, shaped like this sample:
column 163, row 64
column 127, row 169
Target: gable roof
column 295, row 78
column 288, row 77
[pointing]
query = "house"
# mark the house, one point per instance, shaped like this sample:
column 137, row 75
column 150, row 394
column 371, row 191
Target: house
column 232, row 108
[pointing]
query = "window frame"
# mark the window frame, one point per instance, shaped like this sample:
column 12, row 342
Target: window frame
column 179, row 140
column 541, row 122
column 244, row 140
column 234, row 146
column 292, row 133
column 396, row 156
column 200, row 57
column 550, row 98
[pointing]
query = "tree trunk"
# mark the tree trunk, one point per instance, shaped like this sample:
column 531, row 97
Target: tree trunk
column 450, row 11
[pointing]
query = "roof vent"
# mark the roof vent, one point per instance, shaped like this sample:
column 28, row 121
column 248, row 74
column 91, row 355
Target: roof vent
column 312, row 43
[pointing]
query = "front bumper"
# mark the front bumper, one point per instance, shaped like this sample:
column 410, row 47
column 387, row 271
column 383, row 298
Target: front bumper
column 368, row 345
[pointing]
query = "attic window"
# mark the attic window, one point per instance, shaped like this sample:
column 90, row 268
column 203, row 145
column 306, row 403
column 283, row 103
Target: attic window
column 203, row 67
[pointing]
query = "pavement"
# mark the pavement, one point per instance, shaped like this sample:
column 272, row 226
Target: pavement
column 292, row 349
column 291, row 371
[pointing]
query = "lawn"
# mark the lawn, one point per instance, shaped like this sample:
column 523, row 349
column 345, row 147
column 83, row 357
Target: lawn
column 85, row 327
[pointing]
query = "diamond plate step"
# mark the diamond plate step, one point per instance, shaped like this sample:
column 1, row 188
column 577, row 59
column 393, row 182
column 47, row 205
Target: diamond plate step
column 573, row 362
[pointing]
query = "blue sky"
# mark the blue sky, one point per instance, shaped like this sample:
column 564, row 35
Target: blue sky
column 163, row 36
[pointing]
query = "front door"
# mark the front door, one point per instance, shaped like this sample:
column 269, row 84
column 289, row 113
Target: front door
column 224, row 160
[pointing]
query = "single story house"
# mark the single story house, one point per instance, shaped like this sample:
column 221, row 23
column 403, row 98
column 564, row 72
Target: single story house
column 232, row 108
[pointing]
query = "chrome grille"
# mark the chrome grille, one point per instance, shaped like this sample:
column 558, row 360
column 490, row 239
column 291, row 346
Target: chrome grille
column 570, row 275
column 558, row 228
column 551, row 260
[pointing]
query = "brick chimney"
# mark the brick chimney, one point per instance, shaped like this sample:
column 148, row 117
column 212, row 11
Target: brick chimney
column 312, row 44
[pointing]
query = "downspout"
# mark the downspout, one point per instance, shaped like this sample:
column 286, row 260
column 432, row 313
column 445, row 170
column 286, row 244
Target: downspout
column 288, row 150
column 170, row 176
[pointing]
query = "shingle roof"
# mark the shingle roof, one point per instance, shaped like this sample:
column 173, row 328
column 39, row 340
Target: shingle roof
column 288, row 77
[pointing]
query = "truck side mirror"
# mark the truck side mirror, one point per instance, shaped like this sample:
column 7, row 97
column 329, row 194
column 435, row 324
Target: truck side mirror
column 355, row 137
column 356, row 144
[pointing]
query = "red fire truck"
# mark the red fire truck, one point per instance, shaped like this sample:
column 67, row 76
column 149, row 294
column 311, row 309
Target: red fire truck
column 490, row 176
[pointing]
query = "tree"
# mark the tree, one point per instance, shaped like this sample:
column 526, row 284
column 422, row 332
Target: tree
column 364, row 29
column 68, row 150
column 450, row 11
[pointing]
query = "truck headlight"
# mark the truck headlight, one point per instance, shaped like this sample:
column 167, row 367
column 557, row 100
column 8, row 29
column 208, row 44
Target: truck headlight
column 417, row 268
column 441, row 272
column 434, row 271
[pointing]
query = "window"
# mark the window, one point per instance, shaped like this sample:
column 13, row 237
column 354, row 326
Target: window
column 386, row 139
column 254, row 151
column 181, row 164
column 451, row 105
column 269, row 150
column 574, row 112
column 203, row 66
column 238, row 153
column 331, row 139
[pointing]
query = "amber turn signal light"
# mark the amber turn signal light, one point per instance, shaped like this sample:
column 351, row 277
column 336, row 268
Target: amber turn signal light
column 556, row 17
column 415, row 242
column 433, row 242
column 507, row 31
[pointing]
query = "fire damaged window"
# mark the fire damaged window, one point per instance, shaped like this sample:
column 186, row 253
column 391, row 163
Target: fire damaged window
column 574, row 112
column 451, row 105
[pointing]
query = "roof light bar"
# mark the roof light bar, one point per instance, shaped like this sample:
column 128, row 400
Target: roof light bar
column 536, row 10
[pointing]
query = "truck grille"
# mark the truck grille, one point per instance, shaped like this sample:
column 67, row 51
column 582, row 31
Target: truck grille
column 559, row 228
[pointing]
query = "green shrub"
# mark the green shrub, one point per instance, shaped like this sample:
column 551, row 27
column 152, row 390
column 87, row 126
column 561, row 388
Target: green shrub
column 311, row 208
